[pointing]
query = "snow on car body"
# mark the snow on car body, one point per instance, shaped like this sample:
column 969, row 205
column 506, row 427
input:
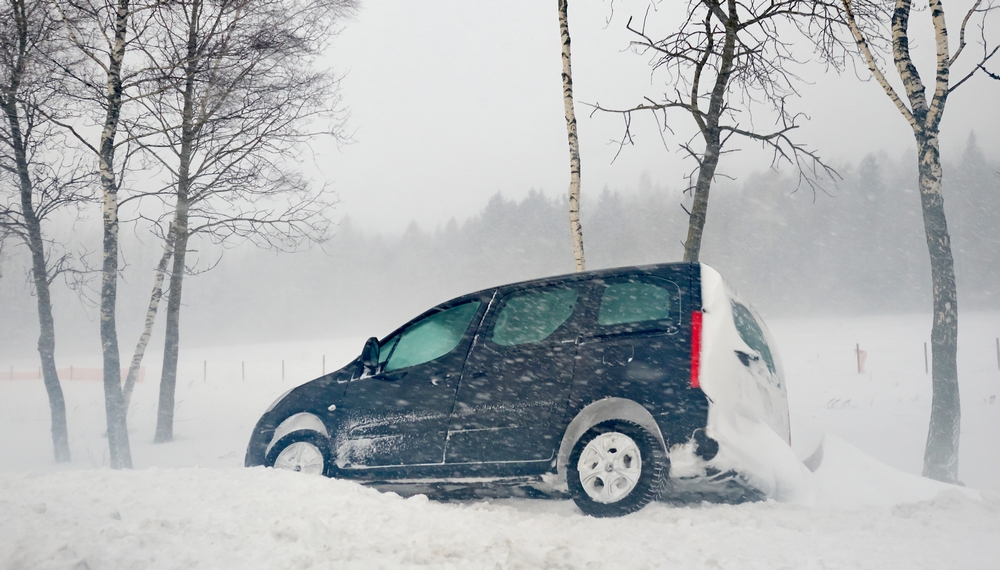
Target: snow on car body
column 592, row 381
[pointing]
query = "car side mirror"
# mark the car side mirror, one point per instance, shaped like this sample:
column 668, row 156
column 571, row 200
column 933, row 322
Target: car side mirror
column 369, row 357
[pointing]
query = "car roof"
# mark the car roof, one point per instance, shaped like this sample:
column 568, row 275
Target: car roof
column 585, row 276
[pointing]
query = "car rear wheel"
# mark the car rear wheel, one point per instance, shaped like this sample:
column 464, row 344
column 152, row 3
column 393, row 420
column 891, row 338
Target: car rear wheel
column 302, row 451
column 616, row 468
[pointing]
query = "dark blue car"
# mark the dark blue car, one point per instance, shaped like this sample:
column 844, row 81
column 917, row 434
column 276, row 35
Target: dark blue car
column 583, row 383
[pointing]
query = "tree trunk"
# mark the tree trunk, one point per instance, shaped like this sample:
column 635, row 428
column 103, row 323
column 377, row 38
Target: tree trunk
column 708, row 124
column 168, row 376
column 941, row 452
column 574, row 142
column 40, row 275
column 154, row 304
column 699, row 209
column 47, row 332
column 114, row 401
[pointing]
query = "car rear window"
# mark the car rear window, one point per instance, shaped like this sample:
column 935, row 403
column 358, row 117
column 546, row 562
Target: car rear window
column 633, row 302
column 532, row 315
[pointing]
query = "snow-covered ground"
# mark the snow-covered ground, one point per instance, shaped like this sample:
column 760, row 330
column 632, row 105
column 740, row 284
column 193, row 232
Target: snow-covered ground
column 190, row 504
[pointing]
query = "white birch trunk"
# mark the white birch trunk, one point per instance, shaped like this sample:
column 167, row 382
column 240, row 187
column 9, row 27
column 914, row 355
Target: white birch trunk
column 154, row 303
column 943, row 434
column 574, row 142
column 114, row 404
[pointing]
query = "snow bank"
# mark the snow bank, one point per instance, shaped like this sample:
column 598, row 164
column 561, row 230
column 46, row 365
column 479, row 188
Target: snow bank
column 260, row 518
column 853, row 512
column 844, row 477
column 848, row 478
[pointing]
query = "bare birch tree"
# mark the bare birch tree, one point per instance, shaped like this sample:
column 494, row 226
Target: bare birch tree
column 28, row 40
column 103, row 32
column 155, row 296
column 574, row 141
column 724, row 59
column 231, row 96
column 875, row 28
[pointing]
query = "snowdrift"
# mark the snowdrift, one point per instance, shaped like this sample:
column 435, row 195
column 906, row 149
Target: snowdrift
column 263, row 518
column 863, row 506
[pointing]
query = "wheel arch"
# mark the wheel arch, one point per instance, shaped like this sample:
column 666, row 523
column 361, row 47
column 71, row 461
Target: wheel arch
column 296, row 422
column 600, row 411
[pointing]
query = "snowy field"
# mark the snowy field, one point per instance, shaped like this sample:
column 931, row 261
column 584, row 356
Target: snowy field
column 190, row 504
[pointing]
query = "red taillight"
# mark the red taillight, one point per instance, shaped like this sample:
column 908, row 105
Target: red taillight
column 695, row 349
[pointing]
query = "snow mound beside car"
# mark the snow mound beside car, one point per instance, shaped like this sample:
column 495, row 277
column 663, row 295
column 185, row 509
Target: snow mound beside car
column 224, row 518
column 848, row 478
column 836, row 475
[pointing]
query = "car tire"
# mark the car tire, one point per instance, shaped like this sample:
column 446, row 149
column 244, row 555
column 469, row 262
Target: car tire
column 304, row 451
column 616, row 468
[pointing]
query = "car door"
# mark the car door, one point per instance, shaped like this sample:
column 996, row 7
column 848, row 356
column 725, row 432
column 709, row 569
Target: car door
column 636, row 349
column 399, row 416
column 517, row 377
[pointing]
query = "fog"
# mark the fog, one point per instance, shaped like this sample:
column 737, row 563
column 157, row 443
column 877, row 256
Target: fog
column 454, row 179
column 855, row 250
column 455, row 101
column 456, row 176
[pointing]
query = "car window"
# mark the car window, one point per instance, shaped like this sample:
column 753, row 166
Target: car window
column 431, row 337
column 385, row 350
column 633, row 302
column 752, row 334
column 532, row 315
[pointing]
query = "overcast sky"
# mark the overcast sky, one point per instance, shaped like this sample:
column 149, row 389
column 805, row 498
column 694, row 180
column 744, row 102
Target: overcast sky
column 451, row 101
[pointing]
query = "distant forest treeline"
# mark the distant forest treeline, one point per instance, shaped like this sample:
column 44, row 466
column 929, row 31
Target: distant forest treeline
column 858, row 248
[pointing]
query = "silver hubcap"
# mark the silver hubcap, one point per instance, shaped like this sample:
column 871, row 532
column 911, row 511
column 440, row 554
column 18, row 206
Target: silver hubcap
column 301, row 456
column 609, row 467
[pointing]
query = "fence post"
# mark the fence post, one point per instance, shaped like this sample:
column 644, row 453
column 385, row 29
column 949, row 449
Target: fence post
column 927, row 368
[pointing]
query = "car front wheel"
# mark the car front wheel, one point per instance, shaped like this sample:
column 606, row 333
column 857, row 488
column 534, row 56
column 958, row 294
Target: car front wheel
column 616, row 468
column 302, row 451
